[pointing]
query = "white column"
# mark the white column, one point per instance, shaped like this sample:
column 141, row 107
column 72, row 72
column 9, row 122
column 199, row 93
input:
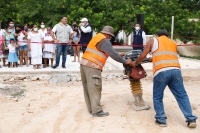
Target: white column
column 172, row 28
column 129, row 39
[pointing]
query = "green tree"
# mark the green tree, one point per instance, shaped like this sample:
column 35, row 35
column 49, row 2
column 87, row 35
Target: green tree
column 117, row 13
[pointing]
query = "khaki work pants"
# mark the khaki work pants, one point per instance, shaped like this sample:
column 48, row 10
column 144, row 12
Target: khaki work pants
column 92, row 87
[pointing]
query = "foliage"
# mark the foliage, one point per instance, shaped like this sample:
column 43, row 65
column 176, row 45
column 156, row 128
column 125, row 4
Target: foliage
column 119, row 41
column 121, row 14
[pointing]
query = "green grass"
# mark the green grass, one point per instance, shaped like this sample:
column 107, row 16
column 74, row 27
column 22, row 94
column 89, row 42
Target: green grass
column 191, row 57
column 18, row 94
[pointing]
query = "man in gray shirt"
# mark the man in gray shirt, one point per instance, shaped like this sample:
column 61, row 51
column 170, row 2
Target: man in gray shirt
column 92, row 62
column 63, row 33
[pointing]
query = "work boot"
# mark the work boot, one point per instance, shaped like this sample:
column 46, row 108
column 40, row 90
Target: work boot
column 192, row 124
column 100, row 114
column 161, row 124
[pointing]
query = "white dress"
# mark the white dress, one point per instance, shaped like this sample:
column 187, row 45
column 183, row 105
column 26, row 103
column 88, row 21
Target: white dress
column 49, row 48
column 36, row 47
column 29, row 52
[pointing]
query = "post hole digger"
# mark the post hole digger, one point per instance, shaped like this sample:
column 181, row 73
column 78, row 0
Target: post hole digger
column 135, row 74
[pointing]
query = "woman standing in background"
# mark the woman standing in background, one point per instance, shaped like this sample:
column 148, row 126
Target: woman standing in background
column 75, row 43
column 43, row 30
column 35, row 45
column 23, row 47
column 1, row 43
column 6, row 40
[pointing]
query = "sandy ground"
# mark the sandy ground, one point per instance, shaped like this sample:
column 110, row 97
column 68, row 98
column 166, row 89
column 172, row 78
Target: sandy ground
column 50, row 108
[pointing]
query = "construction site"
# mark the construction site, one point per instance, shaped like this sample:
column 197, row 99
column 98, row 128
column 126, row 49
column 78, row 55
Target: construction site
column 52, row 101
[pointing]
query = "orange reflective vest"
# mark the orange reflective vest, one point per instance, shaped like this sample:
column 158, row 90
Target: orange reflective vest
column 166, row 54
column 93, row 54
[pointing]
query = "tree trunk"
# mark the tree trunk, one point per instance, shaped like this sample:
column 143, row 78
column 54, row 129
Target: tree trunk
column 117, row 31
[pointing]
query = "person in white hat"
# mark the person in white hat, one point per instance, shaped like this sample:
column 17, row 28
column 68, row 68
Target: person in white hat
column 86, row 33
column 92, row 63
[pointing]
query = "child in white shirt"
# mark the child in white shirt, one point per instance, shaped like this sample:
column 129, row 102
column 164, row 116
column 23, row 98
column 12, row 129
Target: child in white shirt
column 12, row 56
column 49, row 48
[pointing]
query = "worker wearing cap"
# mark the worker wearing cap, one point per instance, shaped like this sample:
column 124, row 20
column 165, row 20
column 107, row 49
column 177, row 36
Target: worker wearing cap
column 92, row 63
column 86, row 33
column 167, row 72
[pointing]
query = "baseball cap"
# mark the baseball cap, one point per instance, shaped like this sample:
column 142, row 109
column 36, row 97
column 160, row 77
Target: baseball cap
column 84, row 20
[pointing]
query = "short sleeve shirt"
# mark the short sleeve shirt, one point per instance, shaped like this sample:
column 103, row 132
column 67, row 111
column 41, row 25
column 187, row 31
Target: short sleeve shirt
column 11, row 48
column 55, row 28
column 37, row 37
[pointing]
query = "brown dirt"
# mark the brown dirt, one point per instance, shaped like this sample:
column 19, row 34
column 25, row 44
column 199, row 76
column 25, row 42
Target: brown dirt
column 49, row 108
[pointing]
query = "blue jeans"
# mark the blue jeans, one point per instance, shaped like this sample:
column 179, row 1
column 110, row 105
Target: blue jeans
column 63, row 49
column 173, row 79
column 25, row 47
column 84, row 48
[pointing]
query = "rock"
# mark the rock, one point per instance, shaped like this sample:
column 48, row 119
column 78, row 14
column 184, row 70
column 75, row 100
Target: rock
column 34, row 78
column 8, row 82
column 12, row 79
column 21, row 77
column 109, row 77
column 26, row 80
column 120, row 75
column 28, row 77
column 60, row 78
column 120, row 78
column 45, row 77
column 114, row 76
column 73, row 78
column 125, row 77
column 16, row 100
column 30, row 111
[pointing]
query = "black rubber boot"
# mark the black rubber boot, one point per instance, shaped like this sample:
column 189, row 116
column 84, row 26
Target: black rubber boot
column 100, row 114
